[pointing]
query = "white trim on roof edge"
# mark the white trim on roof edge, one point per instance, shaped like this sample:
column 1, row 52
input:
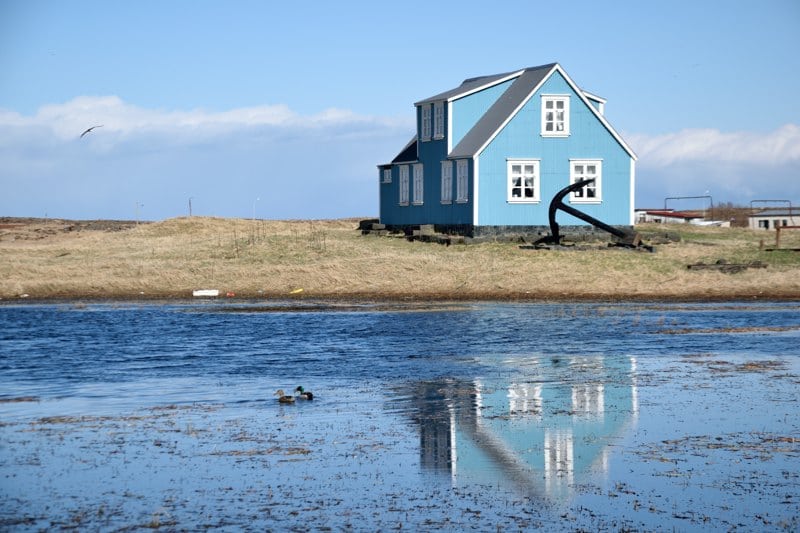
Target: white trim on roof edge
column 486, row 86
column 603, row 121
column 594, row 97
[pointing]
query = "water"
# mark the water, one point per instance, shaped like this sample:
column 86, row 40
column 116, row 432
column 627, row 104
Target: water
column 441, row 416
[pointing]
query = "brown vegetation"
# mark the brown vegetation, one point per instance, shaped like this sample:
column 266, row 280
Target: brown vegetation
column 330, row 259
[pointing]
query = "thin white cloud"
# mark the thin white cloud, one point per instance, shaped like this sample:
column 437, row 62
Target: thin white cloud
column 778, row 147
column 68, row 120
column 733, row 166
column 269, row 149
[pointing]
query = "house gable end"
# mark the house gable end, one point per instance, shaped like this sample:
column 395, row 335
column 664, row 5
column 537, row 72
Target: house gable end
column 512, row 101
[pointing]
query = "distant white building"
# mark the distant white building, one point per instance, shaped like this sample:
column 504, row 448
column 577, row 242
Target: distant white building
column 775, row 217
column 670, row 216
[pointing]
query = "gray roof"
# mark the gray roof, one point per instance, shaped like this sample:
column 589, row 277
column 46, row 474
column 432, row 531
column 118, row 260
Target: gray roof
column 491, row 121
column 525, row 82
column 409, row 152
column 468, row 86
column 778, row 212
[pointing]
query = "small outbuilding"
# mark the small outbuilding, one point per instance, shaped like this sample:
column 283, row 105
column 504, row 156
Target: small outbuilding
column 772, row 218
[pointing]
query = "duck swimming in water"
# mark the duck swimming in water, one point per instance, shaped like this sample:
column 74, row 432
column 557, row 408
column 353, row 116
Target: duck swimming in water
column 284, row 398
column 303, row 394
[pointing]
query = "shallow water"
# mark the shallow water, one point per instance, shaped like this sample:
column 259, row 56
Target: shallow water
column 441, row 416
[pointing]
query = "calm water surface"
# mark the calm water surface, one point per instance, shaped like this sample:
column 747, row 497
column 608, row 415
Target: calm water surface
column 442, row 416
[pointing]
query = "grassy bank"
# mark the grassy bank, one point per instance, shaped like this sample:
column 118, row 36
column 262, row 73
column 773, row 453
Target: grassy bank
column 62, row 259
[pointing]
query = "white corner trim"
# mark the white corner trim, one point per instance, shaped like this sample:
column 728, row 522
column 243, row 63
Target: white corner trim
column 449, row 133
column 633, row 191
column 475, row 196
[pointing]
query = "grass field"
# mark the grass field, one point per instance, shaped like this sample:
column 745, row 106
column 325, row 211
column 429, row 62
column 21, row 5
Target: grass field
column 331, row 259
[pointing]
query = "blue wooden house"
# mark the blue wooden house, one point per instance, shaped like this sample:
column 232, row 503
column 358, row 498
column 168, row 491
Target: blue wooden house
column 489, row 155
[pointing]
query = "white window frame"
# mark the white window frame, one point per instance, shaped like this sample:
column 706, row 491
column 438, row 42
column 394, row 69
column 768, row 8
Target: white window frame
column 579, row 169
column 462, row 181
column 425, row 127
column 387, row 175
column 403, row 185
column 419, row 185
column 438, row 120
column 518, row 172
column 560, row 127
column 447, row 182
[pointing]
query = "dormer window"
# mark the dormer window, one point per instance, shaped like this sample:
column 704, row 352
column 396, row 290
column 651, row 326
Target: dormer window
column 438, row 120
column 555, row 116
column 425, row 127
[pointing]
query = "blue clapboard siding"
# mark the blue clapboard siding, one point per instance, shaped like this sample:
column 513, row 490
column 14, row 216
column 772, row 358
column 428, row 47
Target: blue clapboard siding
column 469, row 109
column 521, row 138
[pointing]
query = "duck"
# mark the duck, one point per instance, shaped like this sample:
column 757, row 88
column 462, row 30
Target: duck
column 303, row 394
column 284, row 398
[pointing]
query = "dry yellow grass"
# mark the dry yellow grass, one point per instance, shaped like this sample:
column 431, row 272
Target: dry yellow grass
column 331, row 259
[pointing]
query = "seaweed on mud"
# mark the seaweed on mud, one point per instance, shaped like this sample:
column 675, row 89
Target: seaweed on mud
column 751, row 445
column 727, row 367
column 742, row 329
column 19, row 399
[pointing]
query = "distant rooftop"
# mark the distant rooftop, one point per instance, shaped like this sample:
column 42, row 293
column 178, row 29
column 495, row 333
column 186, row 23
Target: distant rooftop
column 778, row 212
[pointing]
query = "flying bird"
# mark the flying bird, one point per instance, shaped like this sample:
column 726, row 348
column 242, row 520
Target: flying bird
column 90, row 129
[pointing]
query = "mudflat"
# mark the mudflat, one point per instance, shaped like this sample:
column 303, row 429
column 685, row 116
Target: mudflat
column 53, row 258
column 456, row 416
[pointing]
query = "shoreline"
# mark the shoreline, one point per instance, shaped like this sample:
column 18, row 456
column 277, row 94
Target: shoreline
column 366, row 298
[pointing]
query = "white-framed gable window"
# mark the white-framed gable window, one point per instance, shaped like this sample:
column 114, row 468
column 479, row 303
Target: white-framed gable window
column 447, row 182
column 462, row 181
column 387, row 175
column 555, row 115
column 581, row 169
column 419, row 182
column 425, row 127
column 523, row 180
column 403, row 185
column 438, row 120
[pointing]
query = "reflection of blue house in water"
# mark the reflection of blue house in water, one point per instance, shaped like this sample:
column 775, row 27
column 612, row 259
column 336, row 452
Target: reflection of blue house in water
column 542, row 437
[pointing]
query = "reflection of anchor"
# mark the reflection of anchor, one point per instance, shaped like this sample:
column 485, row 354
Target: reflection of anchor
column 626, row 238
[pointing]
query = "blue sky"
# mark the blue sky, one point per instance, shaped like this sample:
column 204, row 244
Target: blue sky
column 283, row 110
